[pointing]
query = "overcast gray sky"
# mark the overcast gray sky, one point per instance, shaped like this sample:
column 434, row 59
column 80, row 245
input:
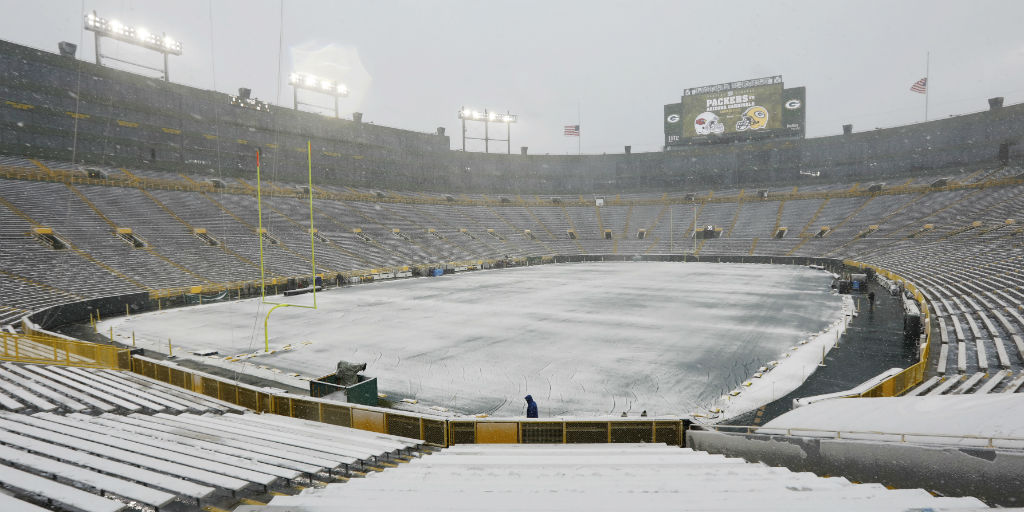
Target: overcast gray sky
column 618, row 62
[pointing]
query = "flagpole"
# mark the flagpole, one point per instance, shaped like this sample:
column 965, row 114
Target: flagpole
column 927, row 82
column 579, row 132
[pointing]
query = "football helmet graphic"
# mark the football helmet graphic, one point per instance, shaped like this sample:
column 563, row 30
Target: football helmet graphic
column 754, row 118
column 707, row 124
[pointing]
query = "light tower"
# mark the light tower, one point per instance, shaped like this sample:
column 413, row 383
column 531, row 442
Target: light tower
column 487, row 117
column 313, row 83
column 138, row 36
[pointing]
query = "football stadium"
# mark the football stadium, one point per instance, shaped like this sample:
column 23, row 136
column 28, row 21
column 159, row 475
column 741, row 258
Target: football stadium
column 213, row 302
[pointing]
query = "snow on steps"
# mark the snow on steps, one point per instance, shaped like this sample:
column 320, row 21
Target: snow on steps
column 596, row 478
column 44, row 465
column 65, row 495
column 52, row 388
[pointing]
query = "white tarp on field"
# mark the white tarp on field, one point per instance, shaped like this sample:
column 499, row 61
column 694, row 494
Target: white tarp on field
column 598, row 338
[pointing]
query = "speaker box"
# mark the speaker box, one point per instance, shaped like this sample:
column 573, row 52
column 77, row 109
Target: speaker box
column 68, row 49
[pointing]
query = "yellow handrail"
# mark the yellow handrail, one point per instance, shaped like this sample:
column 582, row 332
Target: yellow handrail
column 33, row 348
column 914, row 374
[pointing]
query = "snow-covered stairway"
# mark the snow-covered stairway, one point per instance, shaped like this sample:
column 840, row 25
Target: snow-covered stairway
column 596, row 477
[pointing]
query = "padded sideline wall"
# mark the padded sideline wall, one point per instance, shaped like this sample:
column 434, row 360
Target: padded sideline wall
column 144, row 123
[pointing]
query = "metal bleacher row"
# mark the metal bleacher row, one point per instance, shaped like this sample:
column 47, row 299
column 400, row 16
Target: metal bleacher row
column 604, row 477
column 961, row 244
column 104, row 440
column 966, row 258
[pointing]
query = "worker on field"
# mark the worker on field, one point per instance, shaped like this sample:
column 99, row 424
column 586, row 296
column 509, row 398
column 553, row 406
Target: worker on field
column 531, row 407
column 871, row 300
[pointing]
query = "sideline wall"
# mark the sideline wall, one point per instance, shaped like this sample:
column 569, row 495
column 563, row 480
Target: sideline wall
column 435, row 430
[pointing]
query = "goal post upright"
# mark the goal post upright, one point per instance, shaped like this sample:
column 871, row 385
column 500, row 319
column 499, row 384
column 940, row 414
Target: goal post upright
column 312, row 245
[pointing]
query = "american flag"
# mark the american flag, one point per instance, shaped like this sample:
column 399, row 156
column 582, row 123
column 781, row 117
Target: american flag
column 572, row 130
column 920, row 86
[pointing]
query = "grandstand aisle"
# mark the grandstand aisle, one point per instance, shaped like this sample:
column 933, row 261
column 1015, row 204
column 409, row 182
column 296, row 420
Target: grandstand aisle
column 872, row 344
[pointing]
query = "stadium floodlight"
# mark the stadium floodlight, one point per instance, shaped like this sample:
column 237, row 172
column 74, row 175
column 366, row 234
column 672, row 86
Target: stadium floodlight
column 142, row 37
column 487, row 117
column 311, row 82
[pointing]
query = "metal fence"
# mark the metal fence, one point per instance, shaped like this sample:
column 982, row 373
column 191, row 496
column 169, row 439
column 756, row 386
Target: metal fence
column 41, row 349
column 434, row 430
column 874, row 435
column 265, row 400
column 670, row 431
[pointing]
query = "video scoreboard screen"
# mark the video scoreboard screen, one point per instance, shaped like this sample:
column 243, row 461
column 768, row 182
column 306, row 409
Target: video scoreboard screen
column 732, row 111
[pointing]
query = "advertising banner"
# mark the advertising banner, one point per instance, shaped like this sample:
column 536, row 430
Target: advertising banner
column 794, row 102
column 673, row 119
column 744, row 110
column 726, row 110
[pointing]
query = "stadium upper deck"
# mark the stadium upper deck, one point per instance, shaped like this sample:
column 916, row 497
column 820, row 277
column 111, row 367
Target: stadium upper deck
column 128, row 120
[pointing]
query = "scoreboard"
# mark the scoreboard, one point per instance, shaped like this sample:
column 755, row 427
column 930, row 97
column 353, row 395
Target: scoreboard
column 736, row 111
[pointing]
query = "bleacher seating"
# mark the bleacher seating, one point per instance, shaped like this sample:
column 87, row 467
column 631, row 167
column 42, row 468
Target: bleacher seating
column 106, row 440
column 961, row 246
column 610, row 477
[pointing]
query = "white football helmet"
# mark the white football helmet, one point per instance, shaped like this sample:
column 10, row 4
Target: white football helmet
column 707, row 124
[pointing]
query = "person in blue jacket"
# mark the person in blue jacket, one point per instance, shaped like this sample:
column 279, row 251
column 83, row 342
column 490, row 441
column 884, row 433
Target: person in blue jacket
column 531, row 407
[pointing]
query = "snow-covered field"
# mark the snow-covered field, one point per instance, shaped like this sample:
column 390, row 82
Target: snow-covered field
column 583, row 339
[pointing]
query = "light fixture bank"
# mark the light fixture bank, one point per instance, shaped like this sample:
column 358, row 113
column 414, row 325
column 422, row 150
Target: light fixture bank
column 140, row 36
column 315, row 83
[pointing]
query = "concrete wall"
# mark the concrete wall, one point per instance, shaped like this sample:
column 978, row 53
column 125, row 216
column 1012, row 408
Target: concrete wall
column 145, row 123
column 995, row 476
